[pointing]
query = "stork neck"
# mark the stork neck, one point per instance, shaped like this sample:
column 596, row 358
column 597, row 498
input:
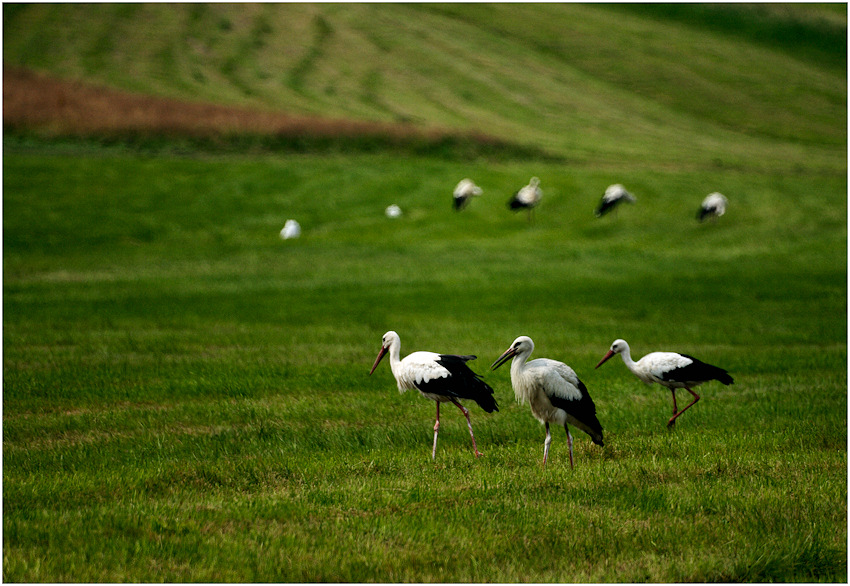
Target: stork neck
column 522, row 390
column 627, row 358
column 518, row 363
column 395, row 352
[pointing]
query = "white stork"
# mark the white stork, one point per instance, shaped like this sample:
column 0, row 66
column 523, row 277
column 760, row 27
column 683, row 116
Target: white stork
column 464, row 192
column 713, row 206
column 439, row 377
column 291, row 229
column 671, row 370
column 614, row 195
column 554, row 392
column 527, row 198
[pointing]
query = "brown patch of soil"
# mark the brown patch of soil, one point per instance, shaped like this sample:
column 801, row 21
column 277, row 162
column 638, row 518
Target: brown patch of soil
column 36, row 102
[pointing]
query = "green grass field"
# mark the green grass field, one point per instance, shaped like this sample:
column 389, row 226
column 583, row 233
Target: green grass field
column 186, row 396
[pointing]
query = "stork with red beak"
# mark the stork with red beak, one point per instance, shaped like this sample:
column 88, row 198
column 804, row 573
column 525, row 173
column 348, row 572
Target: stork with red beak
column 614, row 196
column 671, row 370
column 554, row 392
column 464, row 192
column 442, row 378
column 527, row 197
column 713, row 206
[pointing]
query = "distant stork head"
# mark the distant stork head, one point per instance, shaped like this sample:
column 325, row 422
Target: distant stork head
column 618, row 347
column 389, row 339
column 522, row 345
column 617, row 191
column 713, row 206
column 467, row 187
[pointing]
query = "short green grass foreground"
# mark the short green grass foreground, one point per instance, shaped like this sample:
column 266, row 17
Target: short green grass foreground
column 186, row 395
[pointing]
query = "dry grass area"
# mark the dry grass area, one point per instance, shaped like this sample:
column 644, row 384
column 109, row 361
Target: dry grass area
column 53, row 107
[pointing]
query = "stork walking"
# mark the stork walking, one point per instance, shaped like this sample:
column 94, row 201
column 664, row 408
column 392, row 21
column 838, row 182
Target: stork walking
column 713, row 206
column 442, row 378
column 671, row 370
column 613, row 197
column 554, row 392
column 464, row 192
column 527, row 197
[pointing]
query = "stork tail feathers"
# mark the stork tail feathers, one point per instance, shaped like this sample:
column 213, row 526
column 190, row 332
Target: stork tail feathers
column 487, row 401
column 594, row 430
column 482, row 393
column 724, row 377
column 714, row 372
column 465, row 383
column 603, row 209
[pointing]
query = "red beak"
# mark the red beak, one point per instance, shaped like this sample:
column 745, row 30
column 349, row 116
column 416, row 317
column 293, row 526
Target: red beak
column 606, row 357
column 378, row 359
column 509, row 353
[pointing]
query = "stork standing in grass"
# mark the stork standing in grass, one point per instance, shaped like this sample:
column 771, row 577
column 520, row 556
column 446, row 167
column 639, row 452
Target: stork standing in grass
column 442, row 378
column 527, row 198
column 613, row 197
column 713, row 206
column 554, row 392
column 671, row 370
column 464, row 192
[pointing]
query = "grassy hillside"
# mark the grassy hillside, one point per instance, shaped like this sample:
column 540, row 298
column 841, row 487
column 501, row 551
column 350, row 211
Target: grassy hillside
column 598, row 83
column 186, row 396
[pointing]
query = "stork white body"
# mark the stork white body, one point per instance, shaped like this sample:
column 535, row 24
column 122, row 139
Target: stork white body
column 440, row 377
column 527, row 197
column 671, row 370
column 464, row 192
column 713, row 206
column 614, row 195
column 291, row 229
column 553, row 391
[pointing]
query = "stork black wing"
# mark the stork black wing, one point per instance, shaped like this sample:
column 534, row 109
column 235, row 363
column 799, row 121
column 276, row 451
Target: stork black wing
column 705, row 211
column 515, row 204
column 583, row 411
column 462, row 383
column 697, row 371
column 605, row 207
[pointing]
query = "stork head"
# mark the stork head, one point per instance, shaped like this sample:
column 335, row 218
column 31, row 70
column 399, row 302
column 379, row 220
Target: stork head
column 717, row 201
column 534, row 182
column 467, row 187
column 616, row 192
column 522, row 345
column 618, row 347
column 387, row 341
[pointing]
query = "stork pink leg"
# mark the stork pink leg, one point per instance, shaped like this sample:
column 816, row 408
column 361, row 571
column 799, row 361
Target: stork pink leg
column 546, row 443
column 675, row 409
column 436, row 431
column 570, row 444
column 672, row 421
column 465, row 412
